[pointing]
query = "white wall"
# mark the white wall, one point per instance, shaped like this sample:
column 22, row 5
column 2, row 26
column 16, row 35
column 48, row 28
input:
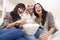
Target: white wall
column 10, row 4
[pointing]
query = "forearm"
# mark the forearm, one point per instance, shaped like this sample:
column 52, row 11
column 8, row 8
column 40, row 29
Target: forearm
column 51, row 30
column 11, row 25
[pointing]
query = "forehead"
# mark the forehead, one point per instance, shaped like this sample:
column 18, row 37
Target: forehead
column 29, row 4
column 21, row 8
column 37, row 5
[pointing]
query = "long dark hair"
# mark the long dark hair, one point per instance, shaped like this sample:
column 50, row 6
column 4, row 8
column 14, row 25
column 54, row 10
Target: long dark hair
column 44, row 12
column 14, row 13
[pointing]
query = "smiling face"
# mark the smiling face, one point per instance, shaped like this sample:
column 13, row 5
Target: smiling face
column 38, row 9
column 30, row 7
column 20, row 10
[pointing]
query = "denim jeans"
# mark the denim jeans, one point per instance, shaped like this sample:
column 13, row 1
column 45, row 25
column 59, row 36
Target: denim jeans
column 17, row 34
column 20, row 39
column 11, row 34
column 27, row 37
column 30, row 37
column 38, row 33
column 33, row 37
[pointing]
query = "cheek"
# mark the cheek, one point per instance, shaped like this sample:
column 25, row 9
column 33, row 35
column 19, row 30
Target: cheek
column 27, row 8
column 21, row 11
column 31, row 7
column 36, row 10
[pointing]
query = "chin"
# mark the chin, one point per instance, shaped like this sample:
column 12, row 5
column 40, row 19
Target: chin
column 31, row 11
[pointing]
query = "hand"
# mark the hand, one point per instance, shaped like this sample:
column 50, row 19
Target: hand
column 44, row 36
column 21, row 23
column 18, row 21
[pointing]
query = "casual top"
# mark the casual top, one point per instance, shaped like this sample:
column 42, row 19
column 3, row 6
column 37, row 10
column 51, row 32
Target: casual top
column 27, row 17
column 7, row 20
column 49, row 23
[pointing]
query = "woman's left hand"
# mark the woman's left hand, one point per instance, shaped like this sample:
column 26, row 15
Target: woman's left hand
column 44, row 36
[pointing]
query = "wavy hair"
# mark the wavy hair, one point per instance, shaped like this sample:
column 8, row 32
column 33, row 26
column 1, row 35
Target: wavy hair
column 44, row 12
column 14, row 13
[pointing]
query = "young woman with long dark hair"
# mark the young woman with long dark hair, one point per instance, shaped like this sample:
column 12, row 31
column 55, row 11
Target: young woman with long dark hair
column 11, row 29
column 45, row 20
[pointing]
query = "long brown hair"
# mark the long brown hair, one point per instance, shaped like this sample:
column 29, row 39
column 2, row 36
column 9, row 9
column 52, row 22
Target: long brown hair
column 14, row 13
column 44, row 12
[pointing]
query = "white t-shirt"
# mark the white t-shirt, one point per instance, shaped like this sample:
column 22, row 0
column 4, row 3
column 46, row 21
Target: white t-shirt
column 27, row 17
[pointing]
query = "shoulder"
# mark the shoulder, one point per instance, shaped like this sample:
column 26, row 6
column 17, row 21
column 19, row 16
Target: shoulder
column 49, row 14
column 8, row 15
column 25, row 13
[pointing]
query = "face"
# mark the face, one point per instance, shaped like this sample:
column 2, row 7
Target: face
column 30, row 7
column 20, row 10
column 38, row 9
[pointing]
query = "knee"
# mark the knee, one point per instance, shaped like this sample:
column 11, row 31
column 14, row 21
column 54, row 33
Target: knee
column 37, row 34
column 19, row 32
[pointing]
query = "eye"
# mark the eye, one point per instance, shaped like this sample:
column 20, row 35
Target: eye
column 31, row 5
column 36, row 7
column 28, row 6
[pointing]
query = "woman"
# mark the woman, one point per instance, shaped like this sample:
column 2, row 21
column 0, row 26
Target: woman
column 30, row 18
column 45, row 20
column 12, row 22
column 29, row 15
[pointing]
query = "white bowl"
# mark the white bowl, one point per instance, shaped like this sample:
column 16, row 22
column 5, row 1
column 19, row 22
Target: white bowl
column 30, row 29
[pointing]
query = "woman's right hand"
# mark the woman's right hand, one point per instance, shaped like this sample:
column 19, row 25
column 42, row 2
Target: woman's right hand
column 21, row 22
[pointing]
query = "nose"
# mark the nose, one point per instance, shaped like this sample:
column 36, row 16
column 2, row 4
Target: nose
column 21, row 10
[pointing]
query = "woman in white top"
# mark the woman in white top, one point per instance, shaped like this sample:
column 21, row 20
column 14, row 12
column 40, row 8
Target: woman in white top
column 29, row 15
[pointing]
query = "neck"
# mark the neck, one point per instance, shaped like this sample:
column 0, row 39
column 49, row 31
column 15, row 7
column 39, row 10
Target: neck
column 40, row 15
column 31, row 13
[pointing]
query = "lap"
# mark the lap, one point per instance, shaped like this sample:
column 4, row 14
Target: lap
column 12, row 34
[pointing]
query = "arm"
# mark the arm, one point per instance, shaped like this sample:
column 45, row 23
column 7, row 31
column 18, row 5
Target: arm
column 51, row 27
column 8, row 21
column 11, row 25
column 19, row 23
column 51, row 24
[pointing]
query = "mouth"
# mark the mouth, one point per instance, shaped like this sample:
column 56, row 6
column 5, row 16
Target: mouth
column 31, row 9
column 39, row 10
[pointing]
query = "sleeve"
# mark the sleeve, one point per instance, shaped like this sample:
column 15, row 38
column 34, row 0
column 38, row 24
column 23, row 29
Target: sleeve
column 24, row 16
column 51, row 22
column 7, row 19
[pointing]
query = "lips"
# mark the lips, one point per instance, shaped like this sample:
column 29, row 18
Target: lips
column 31, row 10
column 39, row 10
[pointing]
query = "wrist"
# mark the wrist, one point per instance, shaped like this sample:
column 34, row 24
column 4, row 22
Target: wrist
column 48, row 33
column 17, row 23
